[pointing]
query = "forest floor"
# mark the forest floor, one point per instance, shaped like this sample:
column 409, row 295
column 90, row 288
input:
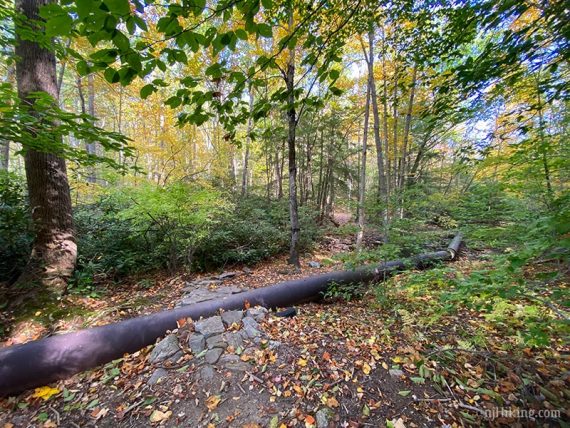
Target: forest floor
column 383, row 359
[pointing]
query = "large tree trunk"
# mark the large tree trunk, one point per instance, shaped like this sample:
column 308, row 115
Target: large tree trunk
column 54, row 251
column 292, row 120
column 362, row 186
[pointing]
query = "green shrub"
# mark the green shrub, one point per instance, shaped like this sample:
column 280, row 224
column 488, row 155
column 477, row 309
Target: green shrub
column 15, row 226
column 144, row 228
column 254, row 230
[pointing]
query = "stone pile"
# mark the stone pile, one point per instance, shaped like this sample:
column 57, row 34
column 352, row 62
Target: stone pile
column 216, row 342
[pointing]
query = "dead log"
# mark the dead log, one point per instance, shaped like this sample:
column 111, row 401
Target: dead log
column 57, row 357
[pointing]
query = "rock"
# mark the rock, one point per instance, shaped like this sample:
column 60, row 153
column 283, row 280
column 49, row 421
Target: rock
column 174, row 358
column 206, row 373
column 209, row 326
column 323, row 416
column 396, row 372
column 230, row 317
column 314, row 264
column 227, row 275
column 250, row 326
column 258, row 313
column 200, row 283
column 196, row 343
column 235, row 338
column 213, row 355
column 156, row 376
column 247, row 270
column 216, row 341
column 233, row 362
column 167, row 347
column 273, row 344
column 202, row 293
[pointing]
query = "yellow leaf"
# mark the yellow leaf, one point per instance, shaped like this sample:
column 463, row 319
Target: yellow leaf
column 384, row 365
column 366, row 369
column 212, row 402
column 158, row 416
column 302, row 362
column 332, row 402
column 45, row 392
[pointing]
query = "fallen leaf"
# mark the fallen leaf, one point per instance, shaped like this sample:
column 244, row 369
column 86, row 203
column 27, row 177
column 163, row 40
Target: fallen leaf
column 398, row 423
column 45, row 392
column 302, row 362
column 332, row 402
column 309, row 420
column 212, row 402
column 158, row 416
column 366, row 369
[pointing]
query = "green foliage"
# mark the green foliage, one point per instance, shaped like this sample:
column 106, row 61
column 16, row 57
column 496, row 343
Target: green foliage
column 143, row 228
column 254, row 230
column 15, row 226
column 42, row 126
column 346, row 292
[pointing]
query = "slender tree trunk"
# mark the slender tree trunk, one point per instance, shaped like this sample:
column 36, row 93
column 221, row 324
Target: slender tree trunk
column 543, row 143
column 5, row 161
column 362, row 184
column 382, row 193
column 404, row 163
column 385, row 111
column 5, row 144
column 54, row 250
column 292, row 124
column 279, row 163
column 404, row 160
column 247, row 144
column 91, row 147
column 321, row 166
column 394, row 173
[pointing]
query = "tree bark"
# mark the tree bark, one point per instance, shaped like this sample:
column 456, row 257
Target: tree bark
column 404, row 163
column 382, row 191
column 362, row 184
column 292, row 125
column 385, row 108
column 5, row 161
column 5, row 145
column 247, row 144
column 54, row 250
column 91, row 148
column 394, row 173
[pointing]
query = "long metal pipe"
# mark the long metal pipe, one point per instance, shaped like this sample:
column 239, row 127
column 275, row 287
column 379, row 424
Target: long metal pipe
column 57, row 357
